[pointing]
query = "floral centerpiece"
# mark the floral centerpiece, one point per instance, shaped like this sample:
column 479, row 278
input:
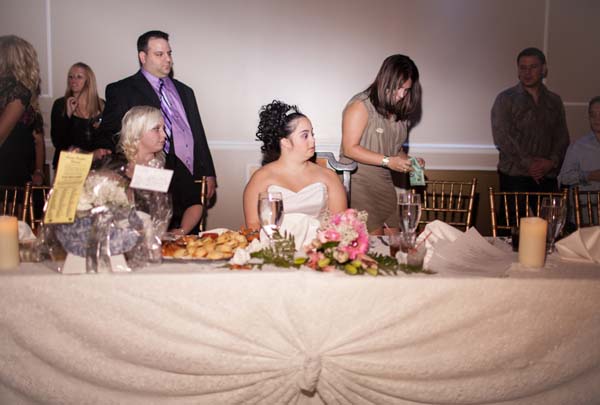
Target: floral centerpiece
column 342, row 243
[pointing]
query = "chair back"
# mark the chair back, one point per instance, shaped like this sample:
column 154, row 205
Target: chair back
column 448, row 201
column 203, row 201
column 12, row 201
column 507, row 207
column 36, row 198
column 587, row 209
column 327, row 159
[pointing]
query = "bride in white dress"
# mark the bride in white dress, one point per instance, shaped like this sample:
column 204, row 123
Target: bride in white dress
column 307, row 188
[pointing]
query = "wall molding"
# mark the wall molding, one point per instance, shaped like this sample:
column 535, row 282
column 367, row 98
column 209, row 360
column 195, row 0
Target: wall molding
column 334, row 147
column 441, row 156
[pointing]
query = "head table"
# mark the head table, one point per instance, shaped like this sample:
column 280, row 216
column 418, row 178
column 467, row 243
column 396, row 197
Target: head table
column 187, row 333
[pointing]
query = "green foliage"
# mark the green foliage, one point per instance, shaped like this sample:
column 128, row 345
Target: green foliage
column 282, row 249
column 389, row 265
column 329, row 245
column 280, row 253
column 386, row 264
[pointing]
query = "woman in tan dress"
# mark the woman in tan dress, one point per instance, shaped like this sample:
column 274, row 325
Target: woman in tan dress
column 374, row 128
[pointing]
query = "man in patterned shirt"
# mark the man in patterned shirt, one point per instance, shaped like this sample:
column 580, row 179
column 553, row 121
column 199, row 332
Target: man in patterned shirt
column 529, row 129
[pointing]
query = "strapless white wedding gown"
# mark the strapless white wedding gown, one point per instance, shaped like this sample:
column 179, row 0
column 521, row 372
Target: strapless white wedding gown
column 302, row 210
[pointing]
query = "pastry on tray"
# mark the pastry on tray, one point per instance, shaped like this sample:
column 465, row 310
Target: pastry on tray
column 206, row 246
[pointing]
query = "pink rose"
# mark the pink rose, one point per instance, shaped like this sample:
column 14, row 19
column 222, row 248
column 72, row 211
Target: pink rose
column 332, row 235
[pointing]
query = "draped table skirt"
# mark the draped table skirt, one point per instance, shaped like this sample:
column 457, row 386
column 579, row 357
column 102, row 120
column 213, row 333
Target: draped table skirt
column 192, row 334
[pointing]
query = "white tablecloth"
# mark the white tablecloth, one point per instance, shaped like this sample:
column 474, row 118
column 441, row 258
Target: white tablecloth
column 188, row 334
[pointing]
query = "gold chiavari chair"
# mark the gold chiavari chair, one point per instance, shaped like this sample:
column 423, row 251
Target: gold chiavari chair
column 203, row 201
column 448, row 201
column 35, row 202
column 12, row 201
column 327, row 159
column 513, row 205
column 587, row 208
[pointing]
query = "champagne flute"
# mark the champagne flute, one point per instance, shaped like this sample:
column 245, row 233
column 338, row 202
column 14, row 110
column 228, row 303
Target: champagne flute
column 554, row 211
column 409, row 210
column 270, row 212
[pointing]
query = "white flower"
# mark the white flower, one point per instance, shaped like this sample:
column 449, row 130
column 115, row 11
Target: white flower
column 240, row 257
column 255, row 246
column 100, row 190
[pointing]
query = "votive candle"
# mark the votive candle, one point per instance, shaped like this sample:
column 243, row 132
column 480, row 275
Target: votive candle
column 9, row 242
column 532, row 241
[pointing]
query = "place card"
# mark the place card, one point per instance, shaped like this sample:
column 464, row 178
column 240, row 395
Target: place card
column 72, row 171
column 151, row 178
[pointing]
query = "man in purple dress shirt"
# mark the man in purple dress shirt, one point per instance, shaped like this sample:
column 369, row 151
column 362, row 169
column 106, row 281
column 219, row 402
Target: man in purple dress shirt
column 190, row 157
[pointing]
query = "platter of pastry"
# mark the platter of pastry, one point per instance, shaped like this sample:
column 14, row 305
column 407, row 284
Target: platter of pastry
column 212, row 245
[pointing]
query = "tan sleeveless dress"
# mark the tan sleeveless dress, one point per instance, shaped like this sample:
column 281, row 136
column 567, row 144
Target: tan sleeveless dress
column 372, row 187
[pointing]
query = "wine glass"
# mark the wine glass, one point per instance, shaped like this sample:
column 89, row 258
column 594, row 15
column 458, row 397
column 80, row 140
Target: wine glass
column 270, row 212
column 554, row 211
column 409, row 211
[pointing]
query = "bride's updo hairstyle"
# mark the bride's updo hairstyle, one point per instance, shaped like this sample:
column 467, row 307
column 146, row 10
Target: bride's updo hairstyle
column 277, row 121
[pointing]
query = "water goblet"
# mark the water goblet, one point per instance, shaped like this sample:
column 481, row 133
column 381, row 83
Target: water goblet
column 270, row 212
column 409, row 211
column 554, row 211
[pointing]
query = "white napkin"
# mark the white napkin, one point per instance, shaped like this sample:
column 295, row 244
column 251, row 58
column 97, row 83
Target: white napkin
column 581, row 246
column 25, row 232
column 451, row 251
column 470, row 254
column 437, row 232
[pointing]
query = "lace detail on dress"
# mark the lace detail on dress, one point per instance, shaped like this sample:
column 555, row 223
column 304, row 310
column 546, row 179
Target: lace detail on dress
column 11, row 90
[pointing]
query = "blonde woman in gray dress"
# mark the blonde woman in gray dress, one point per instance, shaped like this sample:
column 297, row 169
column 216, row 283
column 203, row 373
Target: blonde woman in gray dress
column 374, row 128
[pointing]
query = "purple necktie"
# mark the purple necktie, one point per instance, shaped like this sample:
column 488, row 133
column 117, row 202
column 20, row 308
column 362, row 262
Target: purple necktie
column 167, row 112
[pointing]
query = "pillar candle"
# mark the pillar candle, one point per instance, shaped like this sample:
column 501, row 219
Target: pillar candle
column 532, row 241
column 9, row 242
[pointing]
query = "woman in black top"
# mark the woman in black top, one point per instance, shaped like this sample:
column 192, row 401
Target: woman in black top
column 141, row 143
column 21, row 152
column 76, row 116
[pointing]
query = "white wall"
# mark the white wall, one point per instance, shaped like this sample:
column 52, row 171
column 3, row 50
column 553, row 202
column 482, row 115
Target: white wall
column 238, row 55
